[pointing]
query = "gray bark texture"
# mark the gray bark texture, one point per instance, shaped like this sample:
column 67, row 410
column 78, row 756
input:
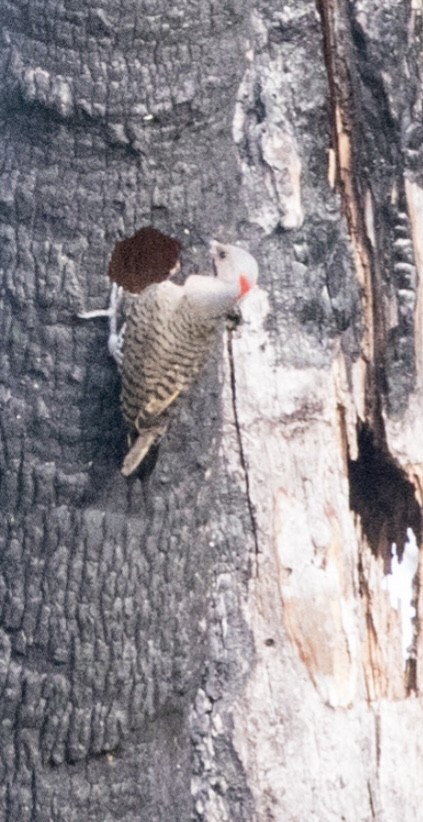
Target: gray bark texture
column 211, row 640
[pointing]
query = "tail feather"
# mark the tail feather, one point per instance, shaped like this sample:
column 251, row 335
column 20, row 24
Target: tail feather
column 140, row 448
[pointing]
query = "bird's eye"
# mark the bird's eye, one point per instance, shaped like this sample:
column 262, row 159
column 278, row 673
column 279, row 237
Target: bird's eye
column 222, row 254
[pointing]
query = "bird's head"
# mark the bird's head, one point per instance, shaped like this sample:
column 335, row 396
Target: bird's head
column 234, row 265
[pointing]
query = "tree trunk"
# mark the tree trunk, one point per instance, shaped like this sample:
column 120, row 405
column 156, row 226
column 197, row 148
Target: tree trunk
column 214, row 640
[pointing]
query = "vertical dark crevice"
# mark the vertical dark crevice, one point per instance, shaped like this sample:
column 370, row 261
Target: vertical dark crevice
column 353, row 181
column 366, row 141
column 383, row 496
column 242, row 458
column 380, row 490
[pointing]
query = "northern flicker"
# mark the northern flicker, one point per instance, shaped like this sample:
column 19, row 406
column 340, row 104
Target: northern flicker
column 169, row 334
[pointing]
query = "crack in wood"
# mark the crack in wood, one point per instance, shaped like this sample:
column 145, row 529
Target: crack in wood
column 371, row 802
column 242, row 459
column 344, row 111
column 380, row 491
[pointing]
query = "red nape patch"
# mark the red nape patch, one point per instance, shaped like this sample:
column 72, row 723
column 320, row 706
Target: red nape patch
column 244, row 285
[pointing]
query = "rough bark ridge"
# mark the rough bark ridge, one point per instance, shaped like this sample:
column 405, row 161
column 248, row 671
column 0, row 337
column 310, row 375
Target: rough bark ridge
column 212, row 643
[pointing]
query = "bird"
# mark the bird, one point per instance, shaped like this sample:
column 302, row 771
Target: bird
column 169, row 334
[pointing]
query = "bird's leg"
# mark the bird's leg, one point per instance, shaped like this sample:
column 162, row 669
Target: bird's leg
column 92, row 315
column 111, row 312
column 116, row 337
column 114, row 305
